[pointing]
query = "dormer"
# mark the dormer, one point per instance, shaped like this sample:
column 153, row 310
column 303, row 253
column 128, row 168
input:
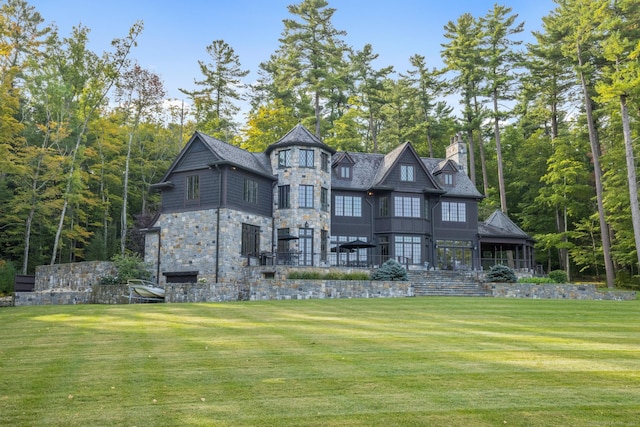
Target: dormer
column 343, row 167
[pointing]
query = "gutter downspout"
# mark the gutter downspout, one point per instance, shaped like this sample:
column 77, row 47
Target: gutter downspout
column 433, row 233
column 218, row 223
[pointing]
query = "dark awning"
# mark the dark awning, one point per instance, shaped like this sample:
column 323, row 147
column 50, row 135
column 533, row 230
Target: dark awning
column 357, row 244
column 288, row 237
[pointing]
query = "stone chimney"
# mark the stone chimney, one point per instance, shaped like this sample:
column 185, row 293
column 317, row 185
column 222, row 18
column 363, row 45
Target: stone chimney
column 457, row 151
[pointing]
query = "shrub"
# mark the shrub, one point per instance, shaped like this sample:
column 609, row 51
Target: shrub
column 502, row 274
column 7, row 274
column 128, row 266
column 539, row 280
column 314, row 275
column 390, row 270
column 558, row 276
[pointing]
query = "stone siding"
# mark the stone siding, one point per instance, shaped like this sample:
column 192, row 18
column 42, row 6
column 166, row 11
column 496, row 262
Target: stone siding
column 76, row 276
column 556, row 291
column 188, row 243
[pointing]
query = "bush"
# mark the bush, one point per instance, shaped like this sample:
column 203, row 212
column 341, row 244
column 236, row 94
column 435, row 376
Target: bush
column 7, row 275
column 558, row 276
column 539, row 280
column 502, row 274
column 128, row 266
column 390, row 270
column 314, row 275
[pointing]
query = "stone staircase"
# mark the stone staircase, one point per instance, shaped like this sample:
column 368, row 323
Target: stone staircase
column 446, row 283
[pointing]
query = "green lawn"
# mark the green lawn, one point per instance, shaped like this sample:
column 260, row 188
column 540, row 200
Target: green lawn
column 360, row 362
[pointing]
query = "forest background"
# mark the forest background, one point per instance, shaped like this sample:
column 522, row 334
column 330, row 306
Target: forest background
column 551, row 125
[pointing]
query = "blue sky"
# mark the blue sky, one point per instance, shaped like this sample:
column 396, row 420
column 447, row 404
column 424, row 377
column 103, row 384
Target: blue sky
column 176, row 33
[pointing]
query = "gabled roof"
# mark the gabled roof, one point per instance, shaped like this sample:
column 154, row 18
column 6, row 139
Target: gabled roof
column 370, row 170
column 391, row 159
column 236, row 156
column 342, row 158
column 463, row 185
column 499, row 225
column 224, row 153
column 299, row 136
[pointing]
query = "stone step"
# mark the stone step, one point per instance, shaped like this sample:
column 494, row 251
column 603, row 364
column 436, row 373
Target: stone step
column 450, row 289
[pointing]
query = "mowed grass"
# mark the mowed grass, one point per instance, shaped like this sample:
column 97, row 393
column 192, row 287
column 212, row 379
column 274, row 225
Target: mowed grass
column 360, row 362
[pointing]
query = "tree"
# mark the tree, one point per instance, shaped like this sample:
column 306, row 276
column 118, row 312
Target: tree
column 462, row 56
column 214, row 104
column 369, row 87
column 311, row 50
column 622, row 50
column 94, row 79
column 497, row 48
column 574, row 24
column 140, row 93
column 428, row 87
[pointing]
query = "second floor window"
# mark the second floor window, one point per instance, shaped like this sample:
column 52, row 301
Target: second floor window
column 345, row 172
column 284, row 197
column 384, row 206
column 324, row 162
column 454, row 212
column 324, row 199
column 284, row 159
column 193, row 187
column 408, row 207
column 305, row 196
column 348, row 206
column 250, row 191
column 306, row 158
column 406, row 173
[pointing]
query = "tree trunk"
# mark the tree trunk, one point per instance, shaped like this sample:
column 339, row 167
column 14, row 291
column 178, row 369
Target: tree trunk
column 496, row 130
column 595, row 152
column 125, row 195
column 631, row 173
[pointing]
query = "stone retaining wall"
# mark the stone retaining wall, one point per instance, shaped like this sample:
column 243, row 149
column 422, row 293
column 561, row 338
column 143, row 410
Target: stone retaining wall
column 319, row 289
column 556, row 291
column 76, row 276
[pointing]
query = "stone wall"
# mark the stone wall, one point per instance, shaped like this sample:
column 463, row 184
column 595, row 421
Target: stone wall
column 556, row 291
column 76, row 276
column 188, row 243
column 319, row 289
column 52, row 297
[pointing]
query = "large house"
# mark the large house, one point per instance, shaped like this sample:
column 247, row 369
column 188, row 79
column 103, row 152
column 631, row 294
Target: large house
column 302, row 203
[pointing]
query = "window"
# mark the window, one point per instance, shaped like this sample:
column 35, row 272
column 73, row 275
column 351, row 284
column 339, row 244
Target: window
column 250, row 240
column 384, row 248
column 324, row 162
column 408, row 207
column 407, row 173
column 306, row 159
column 408, row 248
column 345, row 172
column 284, row 159
column 324, row 199
column 305, row 196
column 250, row 191
column 284, row 197
column 384, row 206
column 454, row 212
column 426, row 209
column 193, row 187
column 447, row 179
column 324, row 234
column 348, row 206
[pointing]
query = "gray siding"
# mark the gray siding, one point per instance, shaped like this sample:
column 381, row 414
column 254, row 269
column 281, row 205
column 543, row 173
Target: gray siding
column 235, row 192
column 174, row 199
column 348, row 225
column 197, row 157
